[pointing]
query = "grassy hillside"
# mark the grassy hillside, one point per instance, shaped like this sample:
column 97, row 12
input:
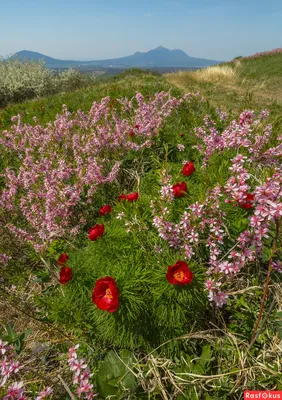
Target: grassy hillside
column 245, row 82
column 124, row 85
column 190, row 179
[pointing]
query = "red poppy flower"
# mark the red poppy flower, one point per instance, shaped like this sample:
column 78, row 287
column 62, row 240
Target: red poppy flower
column 181, row 134
column 248, row 202
column 131, row 133
column 137, row 126
column 179, row 273
column 106, row 294
column 132, row 196
column 121, row 197
column 188, row 169
column 105, row 209
column 95, row 232
column 65, row 275
column 63, row 259
column 179, row 189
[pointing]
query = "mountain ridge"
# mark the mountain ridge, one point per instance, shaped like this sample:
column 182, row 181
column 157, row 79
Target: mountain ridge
column 158, row 57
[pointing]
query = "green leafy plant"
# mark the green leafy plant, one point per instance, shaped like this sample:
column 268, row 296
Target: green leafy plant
column 114, row 376
column 14, row 338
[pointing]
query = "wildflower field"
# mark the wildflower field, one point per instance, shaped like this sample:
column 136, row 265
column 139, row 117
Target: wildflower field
column 140, row 247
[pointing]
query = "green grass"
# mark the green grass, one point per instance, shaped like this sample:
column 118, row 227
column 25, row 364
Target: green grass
column 125, row 85
column 257, row 84
column 213, row 353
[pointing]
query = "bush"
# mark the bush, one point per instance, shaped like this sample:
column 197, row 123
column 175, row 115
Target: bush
column 21, row 80
column 151, row 310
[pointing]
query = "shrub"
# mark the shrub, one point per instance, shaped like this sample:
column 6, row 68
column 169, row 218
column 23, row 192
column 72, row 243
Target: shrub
column 21, row 80
column 55, row 171
column 151, row 310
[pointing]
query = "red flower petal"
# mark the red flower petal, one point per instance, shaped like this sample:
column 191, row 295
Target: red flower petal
column 105, row 209
column 188, row 169
column 65, row 275
column 63, row 259
column 106, row 294
column 95, row 232
column 121, row 197
column 248, row 202
column 132, row 196
column 179, row 189
column 179, row 274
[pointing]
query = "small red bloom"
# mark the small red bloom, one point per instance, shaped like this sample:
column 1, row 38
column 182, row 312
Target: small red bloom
column 121, row 197
column 181, row 134
column 106, row 294
column 248, row 202
column 179, row 274
column 188, row 169
column 95, row 232
column 137, row 126
column 131, row 133
column 105, row 209
column 63, row 259
column 179, row 189
column 132, row 196
column 65, row 275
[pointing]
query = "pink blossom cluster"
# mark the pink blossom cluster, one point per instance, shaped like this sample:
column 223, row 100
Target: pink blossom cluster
column 261, row 54
column 277, row 266
column 205, row 224
column 63, row 164
column 200, row 223
column 166, row 189
column 82, row 375
column 266, row 211
column 247, row 133
column 8, row 368
column 223, row 115
column 181, row 147
column 4, row 259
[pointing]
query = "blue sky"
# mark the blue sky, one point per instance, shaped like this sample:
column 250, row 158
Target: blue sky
column 97, row 29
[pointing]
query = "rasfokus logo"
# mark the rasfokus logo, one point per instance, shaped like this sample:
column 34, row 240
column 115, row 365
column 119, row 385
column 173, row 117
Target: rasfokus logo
column 262, row 394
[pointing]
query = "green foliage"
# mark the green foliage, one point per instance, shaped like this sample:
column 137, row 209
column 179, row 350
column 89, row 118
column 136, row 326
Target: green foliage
column 151, row 310
column 21, row 80
column 13, row 338
column 46, row 108
column 279, row 323
column 257, row 85
column 114, row 375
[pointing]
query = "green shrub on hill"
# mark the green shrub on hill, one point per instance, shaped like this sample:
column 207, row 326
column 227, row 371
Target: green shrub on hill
column 21, row 80
column 151, row 310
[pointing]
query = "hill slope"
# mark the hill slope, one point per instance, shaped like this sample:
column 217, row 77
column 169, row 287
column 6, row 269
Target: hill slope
column 159, row 57
column 255, row 79
column 50, row 62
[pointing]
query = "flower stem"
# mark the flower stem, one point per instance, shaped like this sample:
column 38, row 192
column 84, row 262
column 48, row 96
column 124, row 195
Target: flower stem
column 255, row 336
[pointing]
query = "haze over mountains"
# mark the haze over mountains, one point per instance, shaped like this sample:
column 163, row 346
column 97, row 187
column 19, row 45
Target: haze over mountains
column 159, row 57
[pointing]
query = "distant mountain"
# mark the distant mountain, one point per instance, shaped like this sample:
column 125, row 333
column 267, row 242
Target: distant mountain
column 159, row 57
column 49, row 61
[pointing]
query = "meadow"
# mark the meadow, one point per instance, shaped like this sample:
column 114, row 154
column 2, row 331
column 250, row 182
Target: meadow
column 140, row 247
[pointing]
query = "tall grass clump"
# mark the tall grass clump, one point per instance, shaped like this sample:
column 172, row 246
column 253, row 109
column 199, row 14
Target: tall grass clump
column 216, row 73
